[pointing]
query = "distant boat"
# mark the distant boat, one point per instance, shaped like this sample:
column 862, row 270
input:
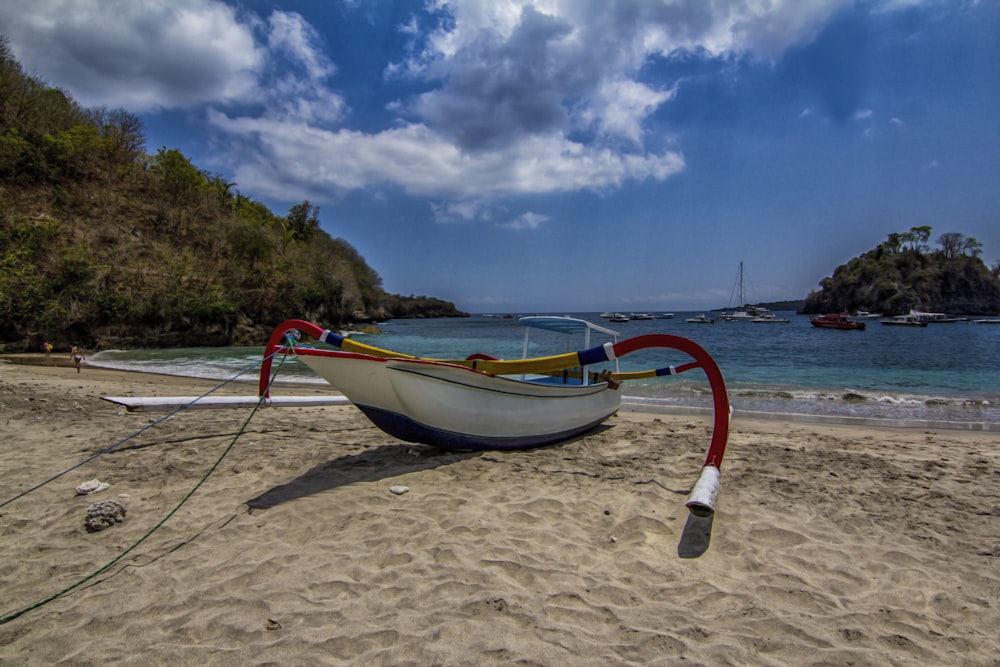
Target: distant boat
column 607, row 314
column 770, row 318
column 841, row 321
column 990, row 320
column 642, row 316
column 619, row 317
column 700, row 319
column 864, row 314
column 743, row 312
column 665, row 316
column 937, row 318
column 904, row 321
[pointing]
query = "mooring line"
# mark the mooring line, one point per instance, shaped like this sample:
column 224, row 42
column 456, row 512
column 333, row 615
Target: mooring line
column 132, row 436
column 55, row 596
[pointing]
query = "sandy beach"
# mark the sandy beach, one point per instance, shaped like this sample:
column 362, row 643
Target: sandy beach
column 832, row 544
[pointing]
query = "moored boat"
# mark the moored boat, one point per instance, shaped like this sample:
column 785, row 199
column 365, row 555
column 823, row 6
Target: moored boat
column 700, row 319
column 770, row 318
column 904, row 321
column 938, row 318
column 743, row 312
column 837, row 321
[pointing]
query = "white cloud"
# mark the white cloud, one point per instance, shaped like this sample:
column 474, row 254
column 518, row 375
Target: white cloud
column 141, row 56
column 512, row 67
column 290, row 34
column 526, row 221
column 622, row 105
column 463, row 210
column 270, row 154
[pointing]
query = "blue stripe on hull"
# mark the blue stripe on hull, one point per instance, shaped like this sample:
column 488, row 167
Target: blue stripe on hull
column 404, row 428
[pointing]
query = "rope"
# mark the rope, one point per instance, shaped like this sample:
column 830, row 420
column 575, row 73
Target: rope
column 13, row 615
column 132, row 436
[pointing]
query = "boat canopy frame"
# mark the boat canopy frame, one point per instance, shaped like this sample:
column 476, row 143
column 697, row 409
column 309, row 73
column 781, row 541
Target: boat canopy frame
column 568, row 326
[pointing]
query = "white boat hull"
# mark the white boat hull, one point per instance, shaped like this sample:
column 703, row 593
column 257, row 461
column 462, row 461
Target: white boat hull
column 460, row 408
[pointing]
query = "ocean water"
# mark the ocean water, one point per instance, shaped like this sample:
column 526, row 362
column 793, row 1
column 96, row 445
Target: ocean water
column 945, row 374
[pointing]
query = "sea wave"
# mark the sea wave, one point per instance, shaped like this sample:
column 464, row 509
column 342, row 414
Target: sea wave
column 847, row 405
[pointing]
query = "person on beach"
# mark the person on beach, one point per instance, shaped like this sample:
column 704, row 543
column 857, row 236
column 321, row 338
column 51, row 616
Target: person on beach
column 48, row 353
column 76, row 354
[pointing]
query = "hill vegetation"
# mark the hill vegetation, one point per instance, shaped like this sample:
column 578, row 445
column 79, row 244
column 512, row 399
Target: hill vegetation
column 106, row 245
column 904, row 273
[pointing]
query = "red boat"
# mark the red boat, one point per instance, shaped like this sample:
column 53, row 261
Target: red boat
column 841, row 321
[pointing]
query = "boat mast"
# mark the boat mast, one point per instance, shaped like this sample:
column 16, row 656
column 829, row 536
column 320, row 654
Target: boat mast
column 742, row 301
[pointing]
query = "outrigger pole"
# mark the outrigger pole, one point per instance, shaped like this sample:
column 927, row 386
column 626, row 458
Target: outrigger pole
column 160, row 403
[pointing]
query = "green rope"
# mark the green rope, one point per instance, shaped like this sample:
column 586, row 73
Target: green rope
column 13, row 615
column 121, row 442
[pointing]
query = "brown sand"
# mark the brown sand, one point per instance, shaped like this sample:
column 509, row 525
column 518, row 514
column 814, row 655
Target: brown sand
column 833, row 545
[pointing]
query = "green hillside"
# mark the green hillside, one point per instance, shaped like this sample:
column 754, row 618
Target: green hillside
column 106, row 245
column 904, row 273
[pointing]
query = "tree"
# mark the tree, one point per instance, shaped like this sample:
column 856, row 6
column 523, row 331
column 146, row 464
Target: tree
column 893, row 243
column 224, row 191
column 180, row 178
column 123, row 136
column 303, row 220
column 951, row 243
column 972, row 247
column 920, row 236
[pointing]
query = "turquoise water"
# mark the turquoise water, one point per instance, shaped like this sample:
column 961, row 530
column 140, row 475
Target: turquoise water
column 947, row 373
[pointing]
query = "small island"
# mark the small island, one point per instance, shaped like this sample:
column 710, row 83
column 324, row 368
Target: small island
column 903, row 273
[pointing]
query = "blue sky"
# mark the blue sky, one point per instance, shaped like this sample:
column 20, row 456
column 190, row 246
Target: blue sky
column 563, row 155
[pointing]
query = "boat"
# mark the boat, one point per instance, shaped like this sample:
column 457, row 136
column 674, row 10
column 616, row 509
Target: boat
column 482, row 402
column 743, row 312
column 864, row 314
column 619, row 318
column 904, row 321
column 837, row 321
column 988, row 320
column 938, row 318
column 770, row 318
column 700, row 319
column 665, row 316
column 642, row 316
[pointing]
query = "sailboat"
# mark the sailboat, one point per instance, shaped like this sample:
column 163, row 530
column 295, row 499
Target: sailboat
column 743, row 312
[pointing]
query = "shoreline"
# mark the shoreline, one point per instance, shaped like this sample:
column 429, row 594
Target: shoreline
column 629, row 403
column 831, row 544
